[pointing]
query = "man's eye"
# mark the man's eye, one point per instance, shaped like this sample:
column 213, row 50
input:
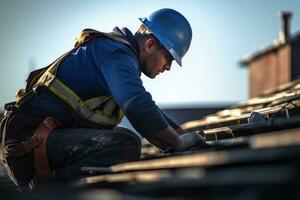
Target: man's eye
column 169, row 59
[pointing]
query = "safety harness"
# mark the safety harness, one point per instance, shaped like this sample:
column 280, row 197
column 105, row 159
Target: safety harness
column 109, row 114
column 101, row 111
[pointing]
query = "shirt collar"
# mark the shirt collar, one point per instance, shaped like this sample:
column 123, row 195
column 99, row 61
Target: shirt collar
column 127, row 34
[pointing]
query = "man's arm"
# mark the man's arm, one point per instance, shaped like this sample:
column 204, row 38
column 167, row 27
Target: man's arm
column 180, row 131
column 123, row 80
column 165, row 139
column 172, row 123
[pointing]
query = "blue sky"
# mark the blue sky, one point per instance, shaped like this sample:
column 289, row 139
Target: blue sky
column 35, row 32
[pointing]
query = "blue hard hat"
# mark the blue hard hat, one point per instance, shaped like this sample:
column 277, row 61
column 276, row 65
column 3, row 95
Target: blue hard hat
column 172, row 30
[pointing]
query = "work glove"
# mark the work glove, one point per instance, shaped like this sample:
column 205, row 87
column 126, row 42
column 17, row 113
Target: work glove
column 188, row 140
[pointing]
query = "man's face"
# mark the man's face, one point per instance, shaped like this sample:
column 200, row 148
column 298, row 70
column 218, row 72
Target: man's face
column 156, row 60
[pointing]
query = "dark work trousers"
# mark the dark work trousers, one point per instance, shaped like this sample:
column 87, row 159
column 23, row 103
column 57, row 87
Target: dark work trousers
column 71, row 149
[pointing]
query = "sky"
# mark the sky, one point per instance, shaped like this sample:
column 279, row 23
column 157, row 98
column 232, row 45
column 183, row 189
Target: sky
column 35, row 32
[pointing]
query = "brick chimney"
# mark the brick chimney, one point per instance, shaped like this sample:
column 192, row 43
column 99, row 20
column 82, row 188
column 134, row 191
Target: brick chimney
column 285, row 31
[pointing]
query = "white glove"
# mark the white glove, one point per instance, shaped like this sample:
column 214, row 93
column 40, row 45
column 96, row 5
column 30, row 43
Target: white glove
column 188, row 140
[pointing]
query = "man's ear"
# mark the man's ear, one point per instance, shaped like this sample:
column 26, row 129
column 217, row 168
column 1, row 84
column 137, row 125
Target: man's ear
column 149, row 44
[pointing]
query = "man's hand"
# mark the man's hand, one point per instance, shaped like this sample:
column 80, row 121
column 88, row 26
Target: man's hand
column 168, row 138
column 188, row 140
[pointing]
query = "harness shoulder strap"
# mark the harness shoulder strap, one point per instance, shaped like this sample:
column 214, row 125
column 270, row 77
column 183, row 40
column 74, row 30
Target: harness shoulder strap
column 89, row 34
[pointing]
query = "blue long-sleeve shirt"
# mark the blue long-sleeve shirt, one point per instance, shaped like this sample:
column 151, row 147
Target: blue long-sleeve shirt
column 106, row 67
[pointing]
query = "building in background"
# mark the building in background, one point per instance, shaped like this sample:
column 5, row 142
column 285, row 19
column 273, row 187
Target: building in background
column 276, row 64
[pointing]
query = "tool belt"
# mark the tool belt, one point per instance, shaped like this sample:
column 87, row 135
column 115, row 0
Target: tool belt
column 37, row 144
column 13, row 154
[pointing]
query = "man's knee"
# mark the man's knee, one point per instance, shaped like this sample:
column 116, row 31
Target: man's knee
column 107, row 146
column 129, row 143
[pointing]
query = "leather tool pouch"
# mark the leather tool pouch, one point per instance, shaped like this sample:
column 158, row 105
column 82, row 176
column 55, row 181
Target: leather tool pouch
column 16, row 127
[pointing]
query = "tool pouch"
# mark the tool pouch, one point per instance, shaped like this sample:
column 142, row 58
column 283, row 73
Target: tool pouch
column 16, row 127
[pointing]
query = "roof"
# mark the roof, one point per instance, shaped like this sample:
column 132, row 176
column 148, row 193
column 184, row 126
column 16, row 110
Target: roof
column 252, row 150
column 284, row 98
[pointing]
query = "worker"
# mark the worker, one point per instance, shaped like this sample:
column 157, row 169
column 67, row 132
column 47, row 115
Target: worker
column 68, row 115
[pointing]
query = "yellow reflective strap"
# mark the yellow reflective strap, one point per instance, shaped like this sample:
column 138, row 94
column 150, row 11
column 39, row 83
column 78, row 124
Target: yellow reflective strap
column 97, row 118
column 46, row 79
column 109, row 107
column 65, row 93
column 95, row 102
